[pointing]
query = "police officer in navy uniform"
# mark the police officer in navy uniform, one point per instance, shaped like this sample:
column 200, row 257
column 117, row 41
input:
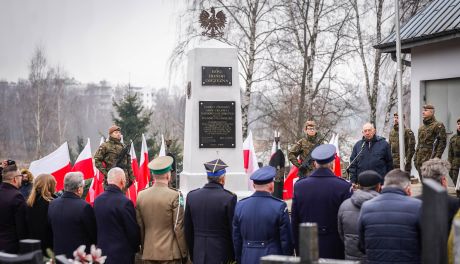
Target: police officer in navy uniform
column 261, row 223
column 317, row 199
column 208, row 218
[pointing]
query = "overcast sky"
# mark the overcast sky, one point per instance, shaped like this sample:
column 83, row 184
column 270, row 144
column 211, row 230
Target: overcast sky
column 92, row 40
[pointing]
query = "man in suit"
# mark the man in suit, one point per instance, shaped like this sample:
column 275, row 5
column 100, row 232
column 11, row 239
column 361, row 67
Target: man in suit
column 13, row 225
column 160, row 215
column 208, row 218
column 317, row 199
column 71, row 218
column 261, row 222
column 117, row 230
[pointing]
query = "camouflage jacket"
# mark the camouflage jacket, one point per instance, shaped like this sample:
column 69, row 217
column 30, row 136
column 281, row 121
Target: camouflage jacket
column 427, row 134
column 409, row 142
column 454, row 150
column 106, row 157
column 303, row 149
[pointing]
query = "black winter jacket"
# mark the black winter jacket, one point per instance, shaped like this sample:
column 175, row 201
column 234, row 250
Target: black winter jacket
column 375, row 155
column 389, row 228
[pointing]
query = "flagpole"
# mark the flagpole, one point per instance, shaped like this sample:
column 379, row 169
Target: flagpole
column 399, row 84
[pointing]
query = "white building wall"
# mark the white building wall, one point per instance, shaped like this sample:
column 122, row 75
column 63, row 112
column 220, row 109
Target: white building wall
column 431, row 62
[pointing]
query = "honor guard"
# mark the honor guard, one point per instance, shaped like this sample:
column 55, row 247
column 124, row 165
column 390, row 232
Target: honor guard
column 409, row 144
column 431, row 138
column 303, row 149
column 454, row 154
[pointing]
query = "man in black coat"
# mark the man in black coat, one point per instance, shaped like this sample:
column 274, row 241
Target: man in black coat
column 372, row 152
column 13, row 225
column 71, row 218
column 208, row 218
column 118, row 234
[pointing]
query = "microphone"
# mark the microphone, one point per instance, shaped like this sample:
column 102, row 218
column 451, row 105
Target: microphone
column 357, row 156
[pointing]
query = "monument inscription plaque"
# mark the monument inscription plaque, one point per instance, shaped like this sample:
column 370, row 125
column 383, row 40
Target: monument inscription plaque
column 217, row 124
column 216, row 76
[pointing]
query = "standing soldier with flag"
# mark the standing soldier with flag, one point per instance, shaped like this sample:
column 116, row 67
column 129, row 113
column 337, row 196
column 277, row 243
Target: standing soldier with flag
column 409, row 144
column 113, row 153
column 303, row 148
column 431, row 138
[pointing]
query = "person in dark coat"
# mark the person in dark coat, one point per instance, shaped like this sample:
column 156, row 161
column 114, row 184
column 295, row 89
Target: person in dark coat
column 317, row 199
column 372, row 152
column 71, row 218
column 42, row 194
column 118, row 234
column 13, row 225
column 438, row 170
column 261, row 222
column 208, row 218
column 27, row 181
column 389, row 225
column 347, row 218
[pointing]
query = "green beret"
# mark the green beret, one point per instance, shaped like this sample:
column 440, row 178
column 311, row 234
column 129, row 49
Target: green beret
column 161, row 165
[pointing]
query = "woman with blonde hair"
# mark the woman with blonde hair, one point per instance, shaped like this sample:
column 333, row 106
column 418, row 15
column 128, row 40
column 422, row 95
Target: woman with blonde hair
column 44, row 187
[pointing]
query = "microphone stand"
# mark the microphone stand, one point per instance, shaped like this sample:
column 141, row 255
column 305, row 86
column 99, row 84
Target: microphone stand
column 353, row 161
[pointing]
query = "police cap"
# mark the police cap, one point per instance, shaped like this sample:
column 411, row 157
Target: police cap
column 323, row 154
column 263, row 175
column 215, row 168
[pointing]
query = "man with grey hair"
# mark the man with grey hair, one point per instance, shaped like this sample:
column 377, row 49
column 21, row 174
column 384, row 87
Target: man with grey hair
column 117, row 230
column 372, row 152
column 438, row 169
column 12, row 207
column 389, row 224
column 71, row 218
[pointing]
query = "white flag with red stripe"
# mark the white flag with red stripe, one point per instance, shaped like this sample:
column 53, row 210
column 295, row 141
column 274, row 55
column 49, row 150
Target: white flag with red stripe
column 250, row 158
column 132, row 191
column 57, row 163
column 337, row 167
column 84, row 162
column 144, row 171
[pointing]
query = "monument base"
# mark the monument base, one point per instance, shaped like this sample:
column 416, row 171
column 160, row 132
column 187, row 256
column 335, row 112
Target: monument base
column 234, row 181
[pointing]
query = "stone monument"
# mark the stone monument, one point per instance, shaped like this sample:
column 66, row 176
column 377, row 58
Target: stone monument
column 213, row 117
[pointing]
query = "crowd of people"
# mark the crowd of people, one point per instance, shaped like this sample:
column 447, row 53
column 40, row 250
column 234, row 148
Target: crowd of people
column 371, row 218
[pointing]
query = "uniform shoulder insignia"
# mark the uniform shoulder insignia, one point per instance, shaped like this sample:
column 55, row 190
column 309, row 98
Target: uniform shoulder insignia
column 230, row 192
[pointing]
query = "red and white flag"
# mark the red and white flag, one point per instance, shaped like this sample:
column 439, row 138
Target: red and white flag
column 250, row 158
column 84, row 163
column 97, row 184
column 56, row 163
column 144, row 171
column 132, row 191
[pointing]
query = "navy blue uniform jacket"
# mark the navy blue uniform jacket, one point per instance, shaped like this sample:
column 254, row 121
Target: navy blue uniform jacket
column 261, row 227
column 13, row 225
column 118, row 234
column 375, row 155
column 73, row 224
column 208, row 224
column 317, row 200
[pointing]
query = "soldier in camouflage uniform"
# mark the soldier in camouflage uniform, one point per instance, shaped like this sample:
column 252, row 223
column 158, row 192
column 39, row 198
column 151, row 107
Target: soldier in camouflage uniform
column 107, row 154
column 409, row 142
column 431, row 138
column 454, row 154
column 303, row 148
